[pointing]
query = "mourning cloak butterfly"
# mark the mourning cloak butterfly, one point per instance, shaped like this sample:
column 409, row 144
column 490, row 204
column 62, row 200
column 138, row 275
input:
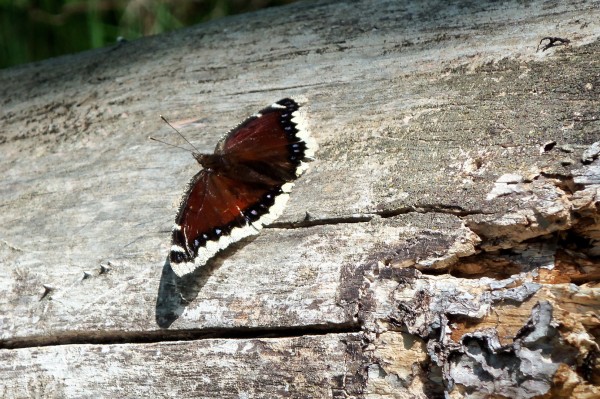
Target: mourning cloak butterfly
column 244, row 185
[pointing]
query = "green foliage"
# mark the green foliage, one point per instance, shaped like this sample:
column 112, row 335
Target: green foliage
column 32, row 30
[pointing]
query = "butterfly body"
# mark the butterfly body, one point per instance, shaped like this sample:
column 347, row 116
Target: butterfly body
column 242, row 186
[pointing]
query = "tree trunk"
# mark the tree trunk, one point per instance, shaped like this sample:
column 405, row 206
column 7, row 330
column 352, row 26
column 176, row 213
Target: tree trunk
column 444, row 240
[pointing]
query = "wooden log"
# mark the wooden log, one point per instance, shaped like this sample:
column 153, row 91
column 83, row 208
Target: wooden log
column 444, row 240
column 223, row 368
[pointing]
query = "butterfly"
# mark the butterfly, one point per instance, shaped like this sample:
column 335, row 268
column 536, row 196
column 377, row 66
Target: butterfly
column 242, row 186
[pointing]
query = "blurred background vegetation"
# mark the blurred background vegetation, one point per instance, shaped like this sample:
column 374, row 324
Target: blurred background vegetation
column 32, row 30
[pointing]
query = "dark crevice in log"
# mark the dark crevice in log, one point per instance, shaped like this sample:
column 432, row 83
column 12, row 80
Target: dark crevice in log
column 157, row 336
column 310, row 222
column 561, row 257
column 563, row 247
column 388, row 213
column 564, row 182
column 430, row 208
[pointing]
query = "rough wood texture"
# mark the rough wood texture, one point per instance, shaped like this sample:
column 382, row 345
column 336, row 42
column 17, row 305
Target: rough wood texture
column 445, row 240
column 206, row 368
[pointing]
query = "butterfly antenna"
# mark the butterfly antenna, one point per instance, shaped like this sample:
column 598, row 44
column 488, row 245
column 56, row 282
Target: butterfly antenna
column 178, row 132
column 169, row 144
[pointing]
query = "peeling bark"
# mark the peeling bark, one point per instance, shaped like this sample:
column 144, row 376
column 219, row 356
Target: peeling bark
column 502, row 322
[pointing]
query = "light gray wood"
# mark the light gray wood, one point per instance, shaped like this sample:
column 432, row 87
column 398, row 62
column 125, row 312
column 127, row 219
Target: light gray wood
column 449, row 201
column 190, row 369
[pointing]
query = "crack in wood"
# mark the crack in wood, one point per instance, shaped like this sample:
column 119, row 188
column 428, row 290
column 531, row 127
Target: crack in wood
column 309, row 221
column 135, row 337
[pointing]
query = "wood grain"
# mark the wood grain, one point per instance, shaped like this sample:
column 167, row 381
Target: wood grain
column 456, row 179
column 190, row 369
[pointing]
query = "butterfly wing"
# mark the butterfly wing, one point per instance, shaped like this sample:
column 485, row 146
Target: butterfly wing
column 217, row 211
column 220, row 207
column 273, row 142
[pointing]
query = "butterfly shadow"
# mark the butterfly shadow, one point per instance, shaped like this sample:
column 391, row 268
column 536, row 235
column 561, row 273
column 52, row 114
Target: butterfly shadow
column 175, row 293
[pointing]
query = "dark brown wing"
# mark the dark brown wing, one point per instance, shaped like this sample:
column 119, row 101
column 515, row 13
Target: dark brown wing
column 217, row 211
column 270, row 142
column 221, row 207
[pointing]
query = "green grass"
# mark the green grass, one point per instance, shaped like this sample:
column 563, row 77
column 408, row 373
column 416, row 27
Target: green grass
column 32, row 30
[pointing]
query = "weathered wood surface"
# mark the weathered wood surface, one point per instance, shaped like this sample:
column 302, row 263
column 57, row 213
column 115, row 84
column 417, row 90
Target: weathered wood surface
column 223, row 368
column 444, row 239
